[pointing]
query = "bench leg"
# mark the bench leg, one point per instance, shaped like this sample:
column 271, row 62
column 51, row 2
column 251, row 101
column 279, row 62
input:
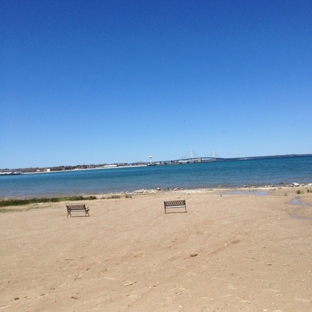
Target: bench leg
column 165, row 209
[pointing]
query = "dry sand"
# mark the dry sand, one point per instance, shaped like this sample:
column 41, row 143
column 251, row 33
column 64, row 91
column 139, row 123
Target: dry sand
column 235, row 252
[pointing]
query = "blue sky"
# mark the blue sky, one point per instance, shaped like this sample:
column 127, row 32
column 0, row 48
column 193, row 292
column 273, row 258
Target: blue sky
column 93, row 82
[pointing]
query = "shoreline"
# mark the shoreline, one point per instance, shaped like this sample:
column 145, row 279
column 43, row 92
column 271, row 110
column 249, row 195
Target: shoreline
column 219, row 175
column 219, row 190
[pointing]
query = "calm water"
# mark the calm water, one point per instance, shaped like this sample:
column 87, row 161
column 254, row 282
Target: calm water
column 232, row 173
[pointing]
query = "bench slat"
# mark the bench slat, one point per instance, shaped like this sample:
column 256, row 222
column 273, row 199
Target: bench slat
column 174, row 204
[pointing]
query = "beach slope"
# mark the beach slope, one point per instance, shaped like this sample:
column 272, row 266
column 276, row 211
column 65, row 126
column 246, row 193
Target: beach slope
column 229, row 252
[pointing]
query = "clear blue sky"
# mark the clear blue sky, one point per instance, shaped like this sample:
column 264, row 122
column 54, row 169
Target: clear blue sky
column 91, row 82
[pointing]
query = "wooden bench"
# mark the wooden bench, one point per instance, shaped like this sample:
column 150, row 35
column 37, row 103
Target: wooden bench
column 174, row 204
column 77, row 208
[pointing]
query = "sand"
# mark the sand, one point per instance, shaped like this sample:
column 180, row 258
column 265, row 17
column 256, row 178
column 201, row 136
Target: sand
column 230, row 252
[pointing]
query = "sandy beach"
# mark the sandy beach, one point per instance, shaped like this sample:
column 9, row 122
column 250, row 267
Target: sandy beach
column 232, row 251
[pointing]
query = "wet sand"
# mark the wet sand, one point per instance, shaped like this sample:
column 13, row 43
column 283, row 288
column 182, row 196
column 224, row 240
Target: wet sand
column 232, row 251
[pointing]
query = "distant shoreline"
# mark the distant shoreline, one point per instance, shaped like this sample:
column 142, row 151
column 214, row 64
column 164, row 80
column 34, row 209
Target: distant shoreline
column 203, row 159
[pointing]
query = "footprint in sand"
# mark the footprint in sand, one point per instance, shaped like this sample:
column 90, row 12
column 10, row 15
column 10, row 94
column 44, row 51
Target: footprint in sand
column 302, row 300
column 231, row 286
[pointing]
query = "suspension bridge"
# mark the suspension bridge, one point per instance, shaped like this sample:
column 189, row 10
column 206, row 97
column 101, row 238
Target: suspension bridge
column 192, row 156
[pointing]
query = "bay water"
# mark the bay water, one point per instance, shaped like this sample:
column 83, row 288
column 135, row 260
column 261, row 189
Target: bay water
column 215, row 174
